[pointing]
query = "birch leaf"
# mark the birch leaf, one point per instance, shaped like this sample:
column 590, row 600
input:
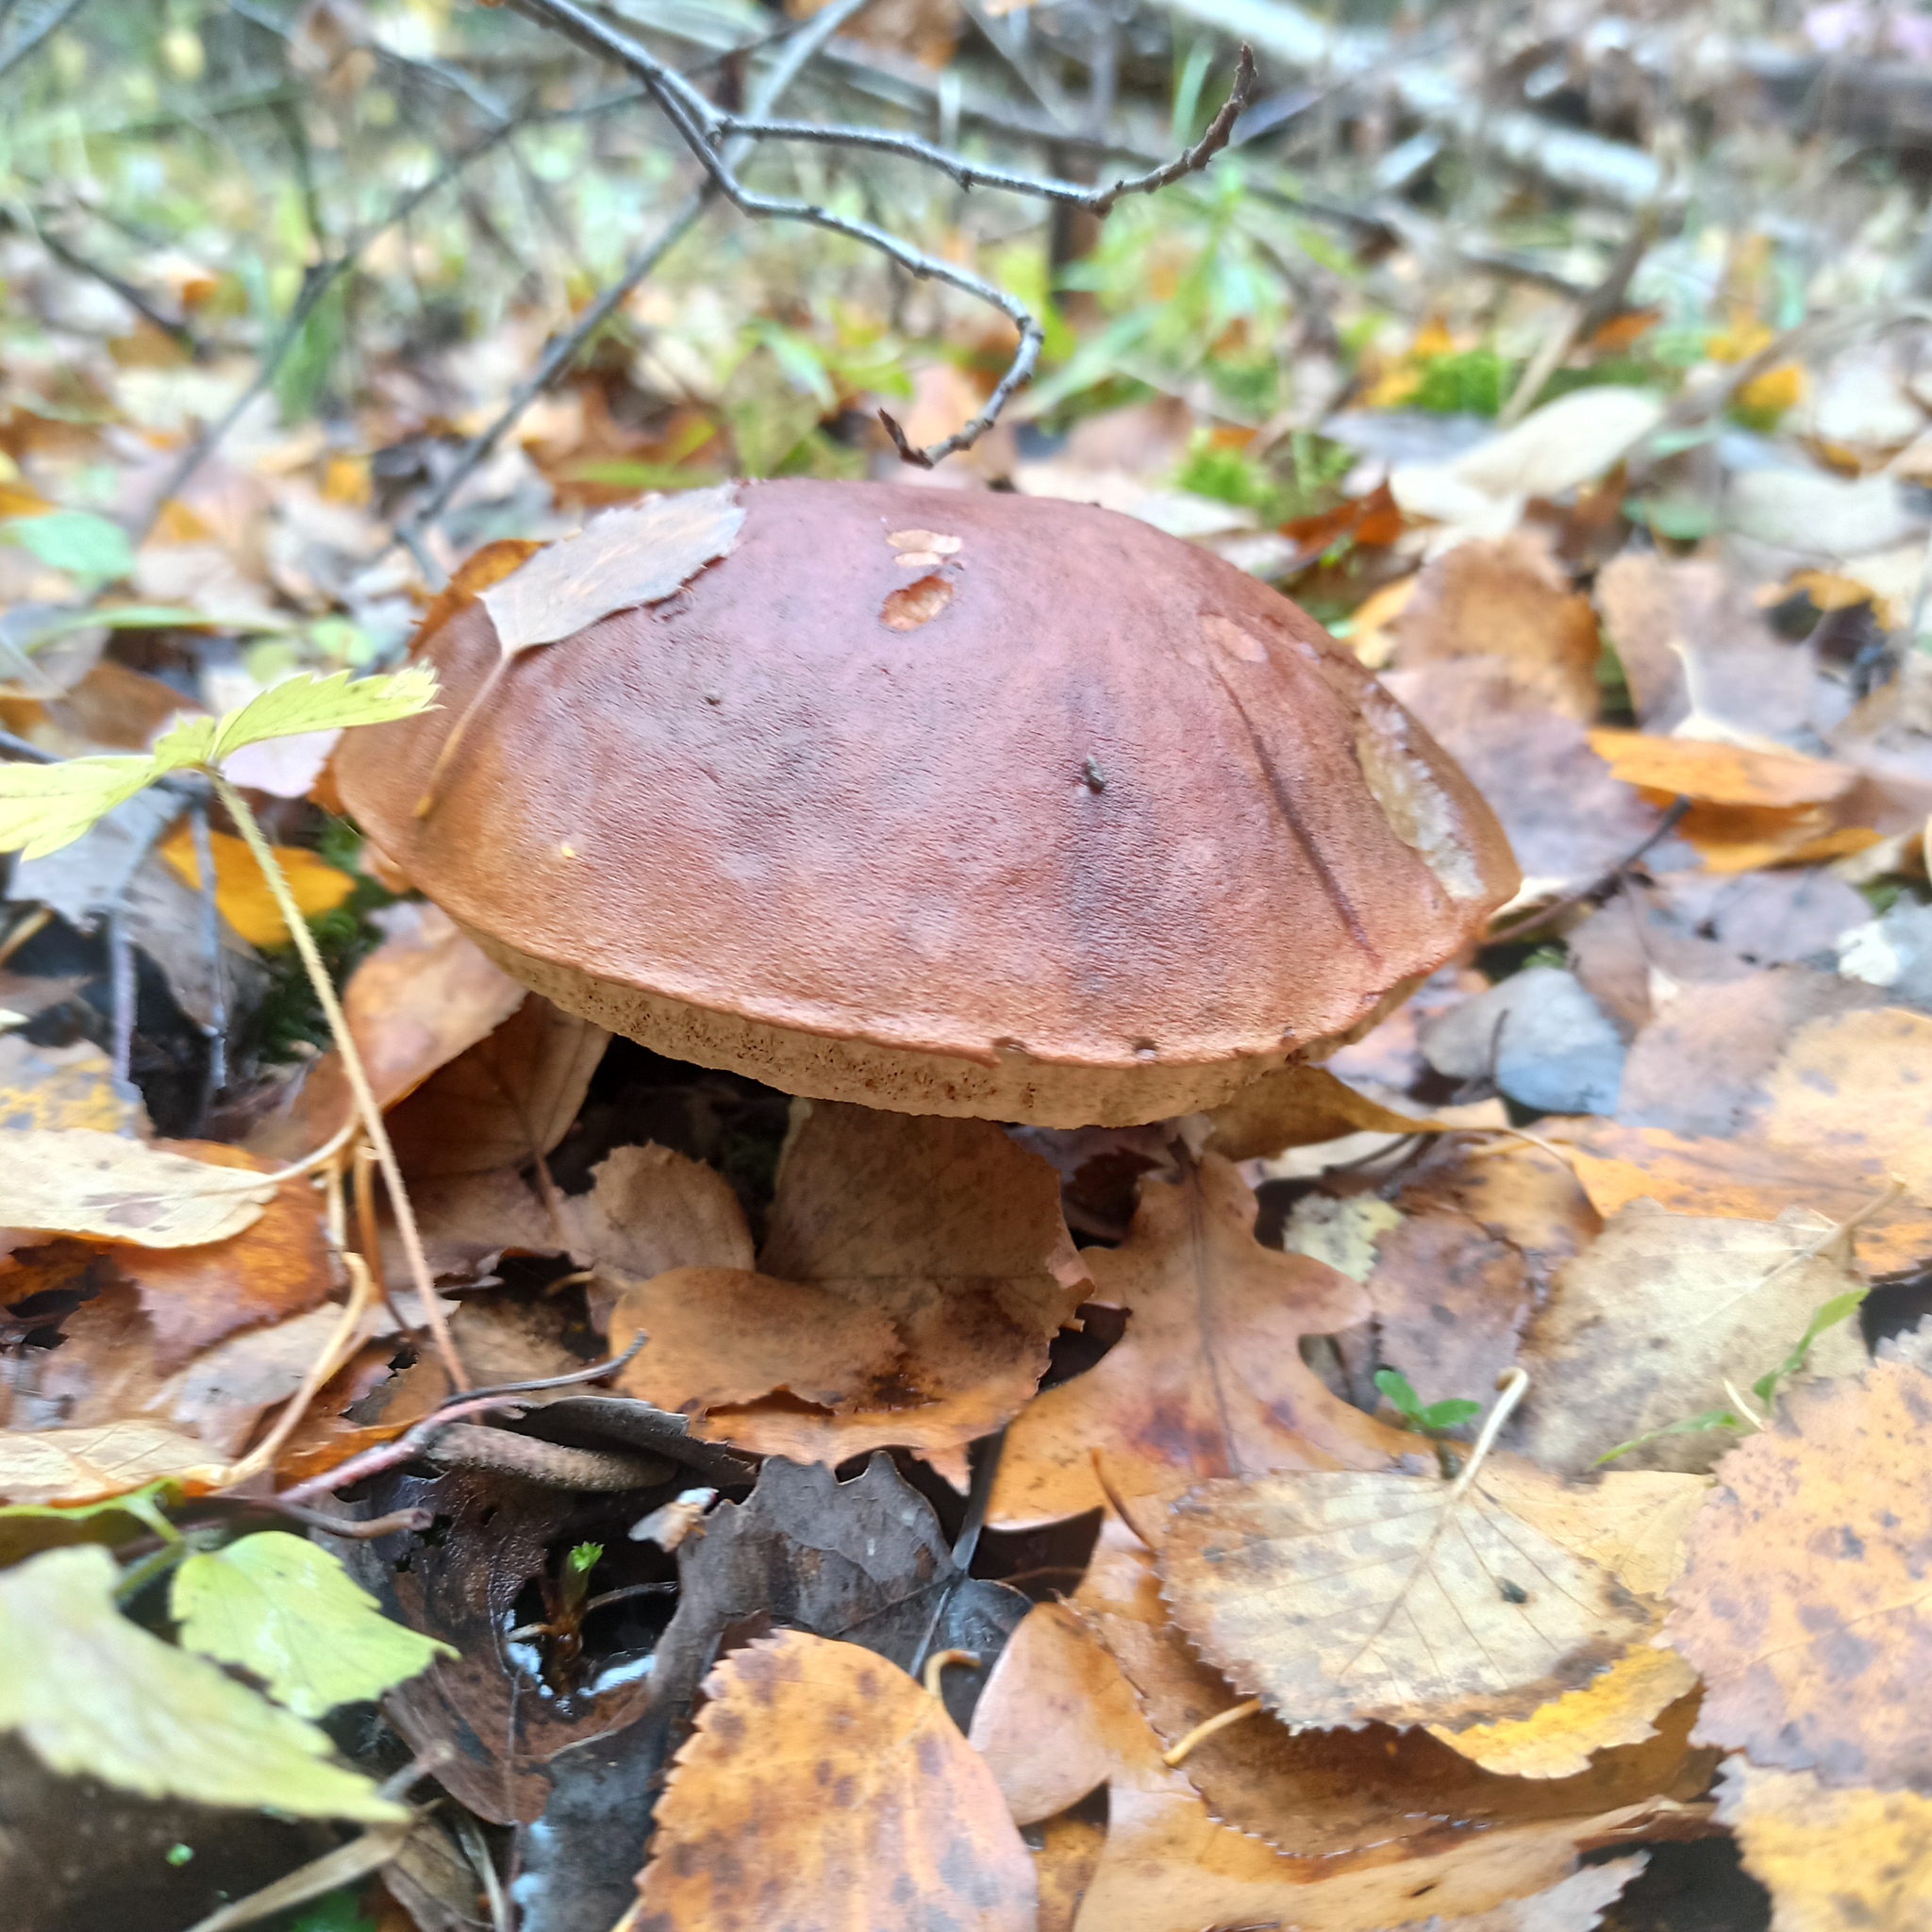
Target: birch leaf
column 78, row 1180
column 105, row 1699
column 1338, row 1596
column 288, row 1613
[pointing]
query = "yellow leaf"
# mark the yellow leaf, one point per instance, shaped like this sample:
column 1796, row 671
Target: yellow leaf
column 1774, row 392
column 242, row 893
column 1557, row 1740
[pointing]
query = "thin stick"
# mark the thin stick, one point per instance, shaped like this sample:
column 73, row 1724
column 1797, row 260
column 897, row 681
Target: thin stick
column 369, row 1231
column 1533, row 921
column 433, row 1312
column 937, row 1662
column 1207, row 1728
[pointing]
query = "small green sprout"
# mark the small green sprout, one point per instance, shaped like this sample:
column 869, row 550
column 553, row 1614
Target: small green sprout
column 1406, row 1402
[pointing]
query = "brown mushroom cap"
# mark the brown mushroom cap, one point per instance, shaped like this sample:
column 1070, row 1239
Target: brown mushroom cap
column 1057, row 818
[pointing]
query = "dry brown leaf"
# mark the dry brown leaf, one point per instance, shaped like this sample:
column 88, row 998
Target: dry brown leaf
column 1326, row 1794
column 1056, row 1717
column 1645, row 1329
column 1064, row 1860
column 1805, row 1601
column 466, row 1221
column 1630, row 1522
column 1745, row 1179
column 474, row 575
column 637, row 555
column 1559, row 1740
column 915, row 1272
column 1854, row 1087
column 84, row 1465
column 823, row 1787
column 1449, row 1300
column 1697, row 1066
column 1575, row 1904
column 1715, row 774
column 1509, row 599
column 55, row 1088
column 1209, row 1379
column 1300, row 1107
column 1855, row 1860
column 1517, row 1192
column 423, row 996
column 1339, row 1596
column 1169, row 1867
column 78, row 1181
column 505, row 1101
column 650, row 1210
column 280, row 1266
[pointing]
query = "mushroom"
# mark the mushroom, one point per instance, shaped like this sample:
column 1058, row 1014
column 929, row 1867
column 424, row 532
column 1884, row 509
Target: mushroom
column 938, row 802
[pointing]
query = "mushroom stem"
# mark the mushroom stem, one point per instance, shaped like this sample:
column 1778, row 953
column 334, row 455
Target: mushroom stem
column 358, row 1078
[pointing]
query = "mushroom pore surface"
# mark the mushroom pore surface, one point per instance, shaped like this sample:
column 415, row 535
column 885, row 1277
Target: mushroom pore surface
column 947, row 803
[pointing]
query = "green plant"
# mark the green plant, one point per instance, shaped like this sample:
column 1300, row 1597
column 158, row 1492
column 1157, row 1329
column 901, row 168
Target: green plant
column 1402, row 1397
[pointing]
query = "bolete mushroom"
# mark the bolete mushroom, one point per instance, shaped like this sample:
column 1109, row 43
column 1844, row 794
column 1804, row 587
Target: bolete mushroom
column 938, row 802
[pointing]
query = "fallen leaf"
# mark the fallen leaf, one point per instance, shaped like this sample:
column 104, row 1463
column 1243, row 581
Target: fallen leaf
column 1833, row 1860
column 1723, row 773
column 200, row 1735
column 1575, row 1904
column 1631, row 1523
column 1343, row 1595
column 820, row 1782
column 241, row 891
column 1056, row 1716
column 78, row 1180
column 53, row 1088
column 1450, row 1300
column 1853, row 1087
column 279, row 1266
column 1691, row 640
column 638, row 555
column 86, row 1465
column 285, row 1610
column 865, row 1561
column 1065, row 1859
column 1209, row 1379
column 1697, row 1067
column 1169, row 1867
column 1803, row 1602
column 474, row 575
column 1743, row 1178
column 1559, row 1740
column 1506, row 598
column 650, row 1210
column 1332, row 1793
column 423, row 996
column 1645, row 1329
column 505, row 1101
column 1299, row 1105
column 914, row 1273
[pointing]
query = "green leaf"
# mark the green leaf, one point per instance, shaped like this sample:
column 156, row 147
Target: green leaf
column 1446, row 1415
column 76, row 541
column 322, row 704
column 28, row 1528
column 44, row 808
column 1839, row 1308
column 1401, row 1394
column 287, row 1612
column 93, row 1693
column 1690, row 1425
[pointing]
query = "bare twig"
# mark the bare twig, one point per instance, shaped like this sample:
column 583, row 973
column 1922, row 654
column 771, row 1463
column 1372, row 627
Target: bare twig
column 81, row 264
column 701, row 128
column 1535, row 922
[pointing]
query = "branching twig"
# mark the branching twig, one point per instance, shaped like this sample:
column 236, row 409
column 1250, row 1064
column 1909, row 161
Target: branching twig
column 701, row 128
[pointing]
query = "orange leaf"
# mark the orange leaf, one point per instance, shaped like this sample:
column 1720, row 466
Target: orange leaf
column 820, row 1783
column 242, row 891
column 1716, row 773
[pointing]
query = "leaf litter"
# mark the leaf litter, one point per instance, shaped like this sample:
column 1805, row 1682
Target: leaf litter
column 1661, row 1143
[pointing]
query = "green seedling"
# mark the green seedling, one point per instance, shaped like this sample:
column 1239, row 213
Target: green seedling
column 1406, row 1403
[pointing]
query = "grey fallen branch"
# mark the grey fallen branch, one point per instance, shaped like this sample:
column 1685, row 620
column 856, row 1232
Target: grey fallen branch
column 703, row 129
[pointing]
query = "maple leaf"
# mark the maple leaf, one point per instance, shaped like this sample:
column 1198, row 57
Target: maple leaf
column 1209, row 1379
